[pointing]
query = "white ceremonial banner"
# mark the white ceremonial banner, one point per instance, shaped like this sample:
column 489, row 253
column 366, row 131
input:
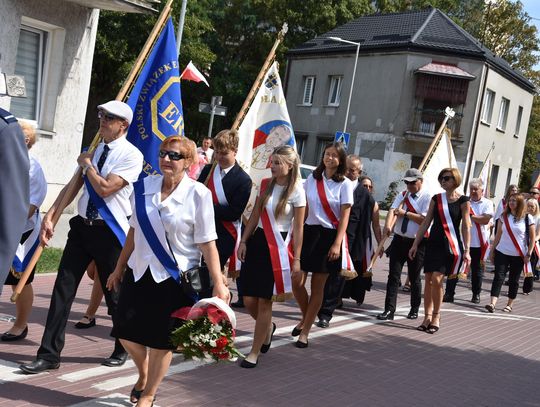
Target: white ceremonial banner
column 484, row 176
column 442, row 157
column 267, row 125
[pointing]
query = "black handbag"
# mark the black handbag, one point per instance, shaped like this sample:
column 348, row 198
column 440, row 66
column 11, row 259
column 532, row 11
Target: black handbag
column 196, row 280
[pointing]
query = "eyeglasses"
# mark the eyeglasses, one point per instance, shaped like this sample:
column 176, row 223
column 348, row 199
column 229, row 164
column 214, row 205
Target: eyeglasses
column 446, row 178
column 410, row 182
column 534, row 193
column 173, row 155
column 107, row 116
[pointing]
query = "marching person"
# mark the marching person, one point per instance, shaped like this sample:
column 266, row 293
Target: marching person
column 38, row 191
column 445, row 250
column 405, row 216
column 330, row 197
column 481, row 215
column 204, row 157
column 512, row 189
column 14, row 189
column 231, row 187
column 172, row 224
column 513, row 246
column 274, row 227
column 96, row 296
column 534, row 211
column 97, row 233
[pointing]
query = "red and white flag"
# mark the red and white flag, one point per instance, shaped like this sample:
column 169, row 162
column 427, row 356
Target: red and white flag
column 191, row 73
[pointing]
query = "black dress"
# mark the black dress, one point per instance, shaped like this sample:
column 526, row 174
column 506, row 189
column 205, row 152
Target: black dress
column 438, row 256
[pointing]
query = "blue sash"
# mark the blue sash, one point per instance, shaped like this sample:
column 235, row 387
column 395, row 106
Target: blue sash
column 149, row 233
column 20, row 265
column 105, row 212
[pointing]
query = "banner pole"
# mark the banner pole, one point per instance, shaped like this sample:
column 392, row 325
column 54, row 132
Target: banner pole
column 448, row 113
column 72, row 186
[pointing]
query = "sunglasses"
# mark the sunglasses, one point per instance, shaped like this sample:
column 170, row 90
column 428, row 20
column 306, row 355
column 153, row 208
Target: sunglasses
column 410, row 182
column 173, row 155
column 446, row 178
column 107, row 116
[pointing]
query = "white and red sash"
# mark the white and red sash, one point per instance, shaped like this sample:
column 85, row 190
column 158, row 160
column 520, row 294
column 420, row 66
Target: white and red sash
column 451, row 234
column 482, row 236
column 346, row 261
column 281, row 250
column 412, row 206
column 369, row 251
column 215, row 186
column 521, row 248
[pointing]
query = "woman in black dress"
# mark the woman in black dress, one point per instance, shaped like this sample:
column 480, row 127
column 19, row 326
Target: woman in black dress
column 445, row 250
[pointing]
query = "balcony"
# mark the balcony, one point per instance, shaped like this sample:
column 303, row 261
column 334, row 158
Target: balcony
column 426, row 123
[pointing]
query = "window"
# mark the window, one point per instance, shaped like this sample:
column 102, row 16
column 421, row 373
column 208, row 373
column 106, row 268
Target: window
column 309, row 87
column 30, row 63
column 321, row 144
column 487, row 109
column 300, row 144
column 503, row 114
column 335, row 90
column 493, row 181
column 508, row 179
column 518, row 121
column 477, row 168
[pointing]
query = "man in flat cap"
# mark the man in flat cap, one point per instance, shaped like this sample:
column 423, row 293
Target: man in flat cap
column 406, row 214
column 97, row 233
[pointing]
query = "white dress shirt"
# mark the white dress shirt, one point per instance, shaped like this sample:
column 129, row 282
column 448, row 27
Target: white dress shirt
column 38, row 190
column 337, row 193
column 188, row 219
column 422, row 199
column 482, row 207
column 124, row 160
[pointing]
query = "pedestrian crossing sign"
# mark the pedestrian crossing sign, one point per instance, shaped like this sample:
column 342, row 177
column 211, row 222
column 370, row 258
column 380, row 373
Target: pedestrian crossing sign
column 342, row 137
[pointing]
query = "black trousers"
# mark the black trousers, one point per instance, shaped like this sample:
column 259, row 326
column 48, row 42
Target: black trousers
column 85, row 243
column 399, row 255
column 503, row 263
column 477, row 274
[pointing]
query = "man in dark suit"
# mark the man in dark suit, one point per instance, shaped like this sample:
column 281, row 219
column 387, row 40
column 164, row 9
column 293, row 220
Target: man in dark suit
column 14, row 189
column 231, row 188
column 358, row 231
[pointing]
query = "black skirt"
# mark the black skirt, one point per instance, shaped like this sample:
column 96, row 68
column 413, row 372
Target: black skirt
column 144, row 310
column 437, row 258
column 256, row 273
column 14, row 277
column 317, row 243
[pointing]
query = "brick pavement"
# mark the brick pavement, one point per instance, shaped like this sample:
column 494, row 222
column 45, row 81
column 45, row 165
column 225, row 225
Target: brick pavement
column 476, row 359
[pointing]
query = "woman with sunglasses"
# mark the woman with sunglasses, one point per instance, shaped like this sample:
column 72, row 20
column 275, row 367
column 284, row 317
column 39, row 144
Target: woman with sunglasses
column 330, row 197
column 173, row 212
column 270, row 246
column 445, row 250
column 513, row 247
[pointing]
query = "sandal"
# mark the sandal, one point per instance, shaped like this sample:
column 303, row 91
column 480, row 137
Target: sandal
column 490, row 308
column 431, row 329
column 406, row 288
column 135, row 395
column 425, row 323
column 508, row 308
column 84, row 325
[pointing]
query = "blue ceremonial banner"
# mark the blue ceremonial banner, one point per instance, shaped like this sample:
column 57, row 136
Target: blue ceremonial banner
column 156, row 101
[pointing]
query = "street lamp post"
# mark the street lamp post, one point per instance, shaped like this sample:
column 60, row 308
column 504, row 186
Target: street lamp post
column 338, row 39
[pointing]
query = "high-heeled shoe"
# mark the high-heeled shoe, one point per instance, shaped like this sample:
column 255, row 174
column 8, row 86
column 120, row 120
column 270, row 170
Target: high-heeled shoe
column 431, row 329
column 135, row 395
column 248, row 365
column 296, row 331
column 265, row 347
column 425, row 323
column 300, row 344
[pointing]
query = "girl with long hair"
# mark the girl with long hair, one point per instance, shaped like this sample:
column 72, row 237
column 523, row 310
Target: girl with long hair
column 270, row 247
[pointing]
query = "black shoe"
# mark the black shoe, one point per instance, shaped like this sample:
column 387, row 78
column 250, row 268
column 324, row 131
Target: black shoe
column 266, row 346
column 448, row 298
column 386, row 316
column 248, row 365
column 38, row 366
column 301, row 345
column 238, row 304
column 475, row 299
column 340, row 305
column 135, row 394
column 82, row 325
column 413, row 314
column 9, row 337
column 296, row 331
column 323, row 323
column 115, row 360
column 507, row 282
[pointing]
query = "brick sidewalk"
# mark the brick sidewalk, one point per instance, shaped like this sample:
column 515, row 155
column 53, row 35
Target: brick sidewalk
column 476, row 359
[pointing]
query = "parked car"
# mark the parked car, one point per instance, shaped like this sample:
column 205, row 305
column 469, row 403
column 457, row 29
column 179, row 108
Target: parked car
column 305, row 170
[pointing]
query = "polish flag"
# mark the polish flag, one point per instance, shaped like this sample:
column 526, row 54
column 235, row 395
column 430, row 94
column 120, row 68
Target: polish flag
column 191, row 73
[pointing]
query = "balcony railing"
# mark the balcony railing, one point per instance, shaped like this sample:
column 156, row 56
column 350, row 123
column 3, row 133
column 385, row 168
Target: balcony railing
column 426, row 122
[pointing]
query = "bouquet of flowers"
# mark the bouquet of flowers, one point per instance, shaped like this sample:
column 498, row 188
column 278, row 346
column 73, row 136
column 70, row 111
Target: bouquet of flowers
column 208, row 331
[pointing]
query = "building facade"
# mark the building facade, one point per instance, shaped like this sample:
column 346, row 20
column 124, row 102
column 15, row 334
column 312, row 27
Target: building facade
column 411, row 66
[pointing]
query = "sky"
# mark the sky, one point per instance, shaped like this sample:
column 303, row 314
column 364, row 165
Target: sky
column 532, row 7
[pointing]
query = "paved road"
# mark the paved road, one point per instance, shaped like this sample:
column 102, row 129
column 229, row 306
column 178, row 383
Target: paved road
column 476, row 359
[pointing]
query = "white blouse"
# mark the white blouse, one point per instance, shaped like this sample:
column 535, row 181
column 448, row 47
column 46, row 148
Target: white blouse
column 338, row 194
column 297, row 199
column 506, row 246
column 188, row 219
column 38, row 190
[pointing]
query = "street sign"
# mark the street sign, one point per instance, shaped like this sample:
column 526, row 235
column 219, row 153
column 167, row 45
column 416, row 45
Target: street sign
column 207, row 108
column 344, row 138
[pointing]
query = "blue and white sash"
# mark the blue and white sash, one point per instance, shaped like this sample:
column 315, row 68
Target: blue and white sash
column 26, row 249
column 113, row 216
column 152, row 228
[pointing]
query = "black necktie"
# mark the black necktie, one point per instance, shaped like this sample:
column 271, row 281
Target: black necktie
column 405, row 222
column 91, row 210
